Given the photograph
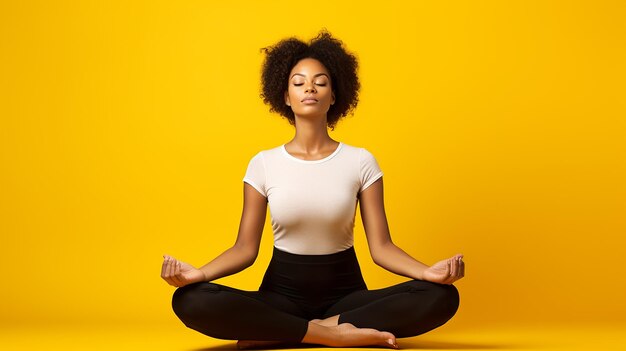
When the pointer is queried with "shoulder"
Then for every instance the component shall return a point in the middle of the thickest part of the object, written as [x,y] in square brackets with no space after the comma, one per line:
[362,153]
[353,149]
[264,153]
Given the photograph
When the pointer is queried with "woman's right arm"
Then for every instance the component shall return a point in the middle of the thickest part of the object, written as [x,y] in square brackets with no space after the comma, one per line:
[235,259]
[246,248]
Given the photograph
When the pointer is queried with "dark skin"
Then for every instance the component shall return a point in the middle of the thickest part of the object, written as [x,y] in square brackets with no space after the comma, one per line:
[310,79]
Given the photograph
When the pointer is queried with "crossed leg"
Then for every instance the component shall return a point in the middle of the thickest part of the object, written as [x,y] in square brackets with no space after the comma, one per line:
[406,309]
[227,313]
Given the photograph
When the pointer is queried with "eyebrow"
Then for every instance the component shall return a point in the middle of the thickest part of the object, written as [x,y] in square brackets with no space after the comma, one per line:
[319,74]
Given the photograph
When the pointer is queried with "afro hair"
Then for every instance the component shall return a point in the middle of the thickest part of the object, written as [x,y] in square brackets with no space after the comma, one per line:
[341,64]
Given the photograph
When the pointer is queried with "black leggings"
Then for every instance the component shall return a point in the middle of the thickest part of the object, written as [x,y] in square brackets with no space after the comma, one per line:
[299,288]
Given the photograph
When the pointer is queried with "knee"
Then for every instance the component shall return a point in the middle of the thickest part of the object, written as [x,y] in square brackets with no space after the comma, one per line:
[437,304]
[188,301]
[443,298]
[447,300]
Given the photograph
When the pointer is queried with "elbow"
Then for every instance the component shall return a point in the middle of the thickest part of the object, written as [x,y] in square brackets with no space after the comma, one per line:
[248,254]
[248,257]
[380,262]
[379,253]
[251,259]
[377,258]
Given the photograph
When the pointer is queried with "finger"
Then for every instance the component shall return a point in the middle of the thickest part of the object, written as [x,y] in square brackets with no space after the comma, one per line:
[168,270]
[449,275]
[183,279]
[171,267]
[177,275]
[462,268]
[163,266]
[446,279]
[454,269]
[459,274]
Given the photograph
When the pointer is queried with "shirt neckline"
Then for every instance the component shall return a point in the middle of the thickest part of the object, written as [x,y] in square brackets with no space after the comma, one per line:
[284,151]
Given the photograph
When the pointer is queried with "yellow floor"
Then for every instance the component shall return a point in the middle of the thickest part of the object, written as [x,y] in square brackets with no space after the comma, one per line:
[177,337]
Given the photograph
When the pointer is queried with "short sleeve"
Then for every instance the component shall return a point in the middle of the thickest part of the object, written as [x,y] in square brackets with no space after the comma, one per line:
[255,174]
[369,169]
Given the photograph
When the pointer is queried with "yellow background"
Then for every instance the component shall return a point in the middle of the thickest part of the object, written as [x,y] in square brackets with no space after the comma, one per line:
[126,129]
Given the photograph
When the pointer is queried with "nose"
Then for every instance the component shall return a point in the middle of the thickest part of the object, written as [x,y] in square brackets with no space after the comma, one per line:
[310,88]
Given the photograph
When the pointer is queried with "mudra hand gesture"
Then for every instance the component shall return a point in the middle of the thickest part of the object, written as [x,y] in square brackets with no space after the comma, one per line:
[446,271]
[179,273]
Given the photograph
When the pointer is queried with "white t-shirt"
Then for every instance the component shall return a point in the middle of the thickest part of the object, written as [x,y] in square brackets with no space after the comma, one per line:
[312,202]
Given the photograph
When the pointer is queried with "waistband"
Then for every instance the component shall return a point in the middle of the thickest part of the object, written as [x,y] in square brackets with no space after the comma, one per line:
[337,257]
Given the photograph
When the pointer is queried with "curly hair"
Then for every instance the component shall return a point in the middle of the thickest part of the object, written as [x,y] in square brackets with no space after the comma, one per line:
[341,64]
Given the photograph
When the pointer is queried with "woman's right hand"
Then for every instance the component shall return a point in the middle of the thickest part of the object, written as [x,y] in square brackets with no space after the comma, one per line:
[179,273]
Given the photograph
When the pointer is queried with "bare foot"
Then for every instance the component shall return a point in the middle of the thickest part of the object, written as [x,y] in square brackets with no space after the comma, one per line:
[323,332]
[328,322]
[347,335]
[353,336]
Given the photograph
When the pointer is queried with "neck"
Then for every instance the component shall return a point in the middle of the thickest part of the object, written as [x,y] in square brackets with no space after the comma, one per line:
[311,135]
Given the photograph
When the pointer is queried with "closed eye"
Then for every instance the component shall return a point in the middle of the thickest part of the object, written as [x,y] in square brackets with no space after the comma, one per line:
[322,85]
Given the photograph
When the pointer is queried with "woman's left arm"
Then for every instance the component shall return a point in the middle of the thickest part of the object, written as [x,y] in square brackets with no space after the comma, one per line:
[389,256]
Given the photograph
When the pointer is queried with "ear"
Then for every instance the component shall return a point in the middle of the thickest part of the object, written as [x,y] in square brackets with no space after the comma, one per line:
[287,101]
[333,98]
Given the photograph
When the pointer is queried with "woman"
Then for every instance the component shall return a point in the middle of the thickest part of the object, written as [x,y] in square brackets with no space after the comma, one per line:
[313,291]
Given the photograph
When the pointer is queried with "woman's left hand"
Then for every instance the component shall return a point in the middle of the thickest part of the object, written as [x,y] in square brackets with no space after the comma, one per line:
[446,271]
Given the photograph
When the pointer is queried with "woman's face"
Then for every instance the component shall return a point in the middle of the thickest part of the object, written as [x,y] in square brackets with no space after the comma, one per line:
[310,91]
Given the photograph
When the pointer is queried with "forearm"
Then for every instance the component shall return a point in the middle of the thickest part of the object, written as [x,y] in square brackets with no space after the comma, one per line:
[394,259]
[231,261]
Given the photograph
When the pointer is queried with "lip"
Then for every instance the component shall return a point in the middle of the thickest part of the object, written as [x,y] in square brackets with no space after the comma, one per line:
[309,99]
